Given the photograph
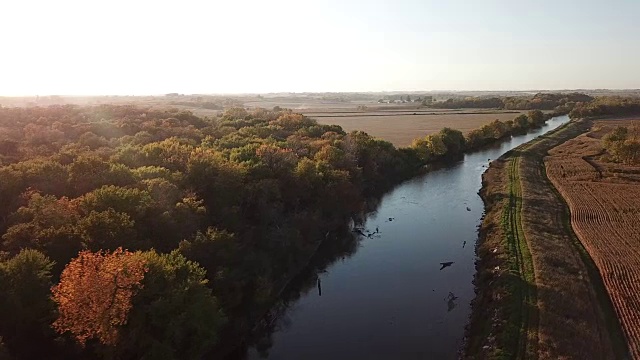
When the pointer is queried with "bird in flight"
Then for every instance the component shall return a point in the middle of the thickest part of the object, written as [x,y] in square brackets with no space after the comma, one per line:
[445,264]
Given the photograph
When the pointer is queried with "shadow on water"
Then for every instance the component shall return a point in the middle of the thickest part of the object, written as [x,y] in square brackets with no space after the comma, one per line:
[341,244]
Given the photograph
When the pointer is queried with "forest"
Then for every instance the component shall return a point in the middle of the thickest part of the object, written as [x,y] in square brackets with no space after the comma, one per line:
[136,233]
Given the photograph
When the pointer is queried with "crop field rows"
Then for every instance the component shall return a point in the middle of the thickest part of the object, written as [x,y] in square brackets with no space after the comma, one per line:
[605,215]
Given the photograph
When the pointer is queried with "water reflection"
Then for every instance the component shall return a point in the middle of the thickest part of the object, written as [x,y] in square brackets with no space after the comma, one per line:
[451,301]
[341,246]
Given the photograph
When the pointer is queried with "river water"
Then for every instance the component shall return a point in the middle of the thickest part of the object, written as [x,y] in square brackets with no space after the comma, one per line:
[389,299]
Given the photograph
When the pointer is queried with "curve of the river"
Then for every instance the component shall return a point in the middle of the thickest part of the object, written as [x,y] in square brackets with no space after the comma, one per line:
[390,299]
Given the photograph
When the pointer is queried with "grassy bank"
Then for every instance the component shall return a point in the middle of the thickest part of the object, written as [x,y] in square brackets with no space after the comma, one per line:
[521,333]
[537,294]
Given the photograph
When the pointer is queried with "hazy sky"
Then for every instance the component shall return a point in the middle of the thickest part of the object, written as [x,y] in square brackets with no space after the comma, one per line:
[154,47]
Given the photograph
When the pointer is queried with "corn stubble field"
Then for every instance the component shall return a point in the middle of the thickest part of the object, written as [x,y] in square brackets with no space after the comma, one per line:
[542,292]
[604,199]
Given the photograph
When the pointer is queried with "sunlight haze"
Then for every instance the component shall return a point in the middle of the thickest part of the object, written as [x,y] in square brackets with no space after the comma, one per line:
[155,47]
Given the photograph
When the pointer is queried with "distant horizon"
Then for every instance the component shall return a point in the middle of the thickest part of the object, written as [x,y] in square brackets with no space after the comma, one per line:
[327,92]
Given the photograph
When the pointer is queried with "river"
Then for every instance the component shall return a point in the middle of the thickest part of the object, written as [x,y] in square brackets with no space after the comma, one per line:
[390,299]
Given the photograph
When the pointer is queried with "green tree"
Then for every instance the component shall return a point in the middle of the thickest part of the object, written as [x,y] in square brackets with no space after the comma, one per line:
[475,139]
[107,230]
[174,315]
[47,224]
[131,201]
[536,118]
[88,172]
[520,123]
[453,140]
[26,309]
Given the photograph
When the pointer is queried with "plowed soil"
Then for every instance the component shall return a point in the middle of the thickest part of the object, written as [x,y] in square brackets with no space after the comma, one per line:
[539,295]
[604,199]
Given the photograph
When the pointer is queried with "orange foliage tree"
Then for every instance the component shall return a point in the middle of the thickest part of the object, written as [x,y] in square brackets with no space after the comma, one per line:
[95,294]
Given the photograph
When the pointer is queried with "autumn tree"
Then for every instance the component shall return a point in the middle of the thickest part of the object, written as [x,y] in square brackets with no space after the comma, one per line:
[436,145]
[622,145]
[422,149]
[94,296]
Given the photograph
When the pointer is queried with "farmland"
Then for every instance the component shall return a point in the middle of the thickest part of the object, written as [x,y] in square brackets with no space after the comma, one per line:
[400,129]
[540,286]
[399,124]
[604,199]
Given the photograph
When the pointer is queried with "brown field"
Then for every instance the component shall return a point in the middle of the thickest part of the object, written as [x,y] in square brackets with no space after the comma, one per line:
[604,199]
[561,315]
[402,129]
[530,265]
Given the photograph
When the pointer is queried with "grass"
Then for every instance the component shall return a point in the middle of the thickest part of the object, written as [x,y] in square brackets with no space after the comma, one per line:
[521,331]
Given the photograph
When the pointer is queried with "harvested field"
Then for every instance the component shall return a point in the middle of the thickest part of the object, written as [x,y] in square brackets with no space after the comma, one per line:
[604,199]
[402,129]
[542,290]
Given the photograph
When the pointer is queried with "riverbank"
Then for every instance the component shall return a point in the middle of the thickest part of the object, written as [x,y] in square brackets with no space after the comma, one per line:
[537,295]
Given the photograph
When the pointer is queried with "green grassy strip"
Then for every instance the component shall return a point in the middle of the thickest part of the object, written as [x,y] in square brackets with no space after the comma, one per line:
[526,264]
[522,334]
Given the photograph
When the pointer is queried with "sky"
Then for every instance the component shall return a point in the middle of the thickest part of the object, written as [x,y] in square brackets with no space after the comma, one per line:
[141,47]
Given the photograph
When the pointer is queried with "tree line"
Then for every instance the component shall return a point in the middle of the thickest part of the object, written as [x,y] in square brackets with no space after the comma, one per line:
[540,101]
[451,143]
[607,106]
